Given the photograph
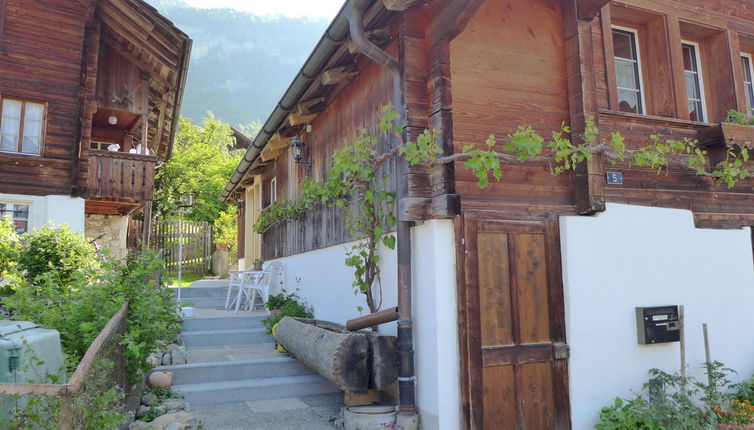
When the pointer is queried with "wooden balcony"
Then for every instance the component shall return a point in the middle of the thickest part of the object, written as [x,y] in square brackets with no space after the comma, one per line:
[120,176]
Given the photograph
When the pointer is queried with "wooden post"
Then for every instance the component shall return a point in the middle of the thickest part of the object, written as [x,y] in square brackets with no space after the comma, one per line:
[707,355]
[144,133]
[146,225]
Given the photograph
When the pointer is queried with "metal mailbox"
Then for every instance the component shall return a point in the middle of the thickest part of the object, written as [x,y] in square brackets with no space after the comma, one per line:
[659,324]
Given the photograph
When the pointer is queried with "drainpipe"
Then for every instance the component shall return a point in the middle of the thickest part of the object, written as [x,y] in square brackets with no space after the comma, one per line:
[405,346]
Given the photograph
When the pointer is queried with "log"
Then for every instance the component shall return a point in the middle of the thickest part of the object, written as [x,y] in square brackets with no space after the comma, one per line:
[338,74]
[341,358]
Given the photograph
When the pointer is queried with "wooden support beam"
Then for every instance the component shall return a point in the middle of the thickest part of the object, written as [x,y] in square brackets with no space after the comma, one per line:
[305,108]
[295,119]
[278,142]
[398,4]
[270,154]
[588,9]
[378,36]
[338,74]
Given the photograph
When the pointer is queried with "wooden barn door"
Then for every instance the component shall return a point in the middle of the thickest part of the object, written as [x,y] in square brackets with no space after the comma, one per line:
[516,357]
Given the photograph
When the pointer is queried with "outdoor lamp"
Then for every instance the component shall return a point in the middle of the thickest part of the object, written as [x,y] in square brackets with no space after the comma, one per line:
[298,151]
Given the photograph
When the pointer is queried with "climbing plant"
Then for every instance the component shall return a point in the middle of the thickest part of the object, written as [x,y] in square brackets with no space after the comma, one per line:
[355,181]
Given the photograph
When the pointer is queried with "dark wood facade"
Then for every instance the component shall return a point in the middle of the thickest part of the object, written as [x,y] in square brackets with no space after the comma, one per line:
[475,68]
[107,72]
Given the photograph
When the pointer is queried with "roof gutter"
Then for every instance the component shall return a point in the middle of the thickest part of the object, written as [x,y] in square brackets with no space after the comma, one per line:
[335,35]
[178,101]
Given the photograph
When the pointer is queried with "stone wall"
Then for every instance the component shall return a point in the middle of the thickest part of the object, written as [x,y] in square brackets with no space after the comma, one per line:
[115,230]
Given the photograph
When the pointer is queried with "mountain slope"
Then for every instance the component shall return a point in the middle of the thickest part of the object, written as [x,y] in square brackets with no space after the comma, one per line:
[241,64]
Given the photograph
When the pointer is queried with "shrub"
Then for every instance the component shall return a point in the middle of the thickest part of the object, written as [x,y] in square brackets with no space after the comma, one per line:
[286,305]
[56,249]
[9,246]
[81,309]
[226,228]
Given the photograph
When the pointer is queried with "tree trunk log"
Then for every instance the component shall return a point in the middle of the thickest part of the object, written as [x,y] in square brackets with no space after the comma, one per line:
[342,358]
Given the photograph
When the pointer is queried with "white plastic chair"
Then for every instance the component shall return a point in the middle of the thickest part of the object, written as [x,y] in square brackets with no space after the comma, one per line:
[236,279]
[258,283]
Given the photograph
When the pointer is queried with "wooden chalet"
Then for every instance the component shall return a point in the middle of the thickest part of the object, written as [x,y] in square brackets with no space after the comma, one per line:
[503,338]
[91,93]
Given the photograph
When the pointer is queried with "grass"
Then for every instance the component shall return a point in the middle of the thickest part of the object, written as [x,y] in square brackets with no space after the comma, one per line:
[186,279]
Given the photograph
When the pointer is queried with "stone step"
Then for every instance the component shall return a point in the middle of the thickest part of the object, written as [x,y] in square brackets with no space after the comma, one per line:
[225,337]
[235,370]
[192,292]
[210,393]
[223,323]
[204,302]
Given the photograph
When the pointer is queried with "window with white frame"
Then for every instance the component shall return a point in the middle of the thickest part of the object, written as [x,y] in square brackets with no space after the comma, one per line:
[21,126]
[628,70]
[692,71]
[18,213]
[273,190]
[746,61]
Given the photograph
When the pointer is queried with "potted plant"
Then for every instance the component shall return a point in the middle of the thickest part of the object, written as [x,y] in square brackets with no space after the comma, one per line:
[258,264]
[739,416]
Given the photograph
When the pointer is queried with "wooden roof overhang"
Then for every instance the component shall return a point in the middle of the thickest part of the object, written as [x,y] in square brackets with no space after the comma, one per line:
[138,32]
[325,74]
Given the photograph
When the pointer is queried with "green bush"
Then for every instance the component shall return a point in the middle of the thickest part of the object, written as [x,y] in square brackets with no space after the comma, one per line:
[81,309]
[670,402]
[58,250]
[9,246]
[286,305]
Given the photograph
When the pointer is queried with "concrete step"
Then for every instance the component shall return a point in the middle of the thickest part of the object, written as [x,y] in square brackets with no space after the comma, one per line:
[225,337]
[223,323]
[210,393]
[236,370]
[192,292]
[204,302]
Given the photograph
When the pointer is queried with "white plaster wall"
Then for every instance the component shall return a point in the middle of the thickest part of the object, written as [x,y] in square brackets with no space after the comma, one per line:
[115,230]
[436,325]
[44,209]
[633,256]
[325,282]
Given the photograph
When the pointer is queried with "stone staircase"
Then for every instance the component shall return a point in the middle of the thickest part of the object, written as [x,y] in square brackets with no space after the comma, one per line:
[231,359]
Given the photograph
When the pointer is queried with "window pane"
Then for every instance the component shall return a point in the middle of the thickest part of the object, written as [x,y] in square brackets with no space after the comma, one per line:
[34,111]
[31,145]
[32,128]
[625,72]
[628,101]
[11,109]
[10,125]
[688,58]
[623,45]
[8,142]
[692,82]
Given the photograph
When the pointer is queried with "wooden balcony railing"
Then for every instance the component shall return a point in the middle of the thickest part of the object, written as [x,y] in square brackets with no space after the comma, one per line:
[121,176]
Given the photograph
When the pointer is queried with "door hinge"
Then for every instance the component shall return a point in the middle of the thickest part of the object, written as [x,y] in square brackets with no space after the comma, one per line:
[561,351]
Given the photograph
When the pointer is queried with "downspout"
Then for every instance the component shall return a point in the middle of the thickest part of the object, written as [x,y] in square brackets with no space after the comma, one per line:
[405,346]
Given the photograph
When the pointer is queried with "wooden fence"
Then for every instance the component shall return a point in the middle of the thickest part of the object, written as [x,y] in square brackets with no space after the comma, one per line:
[103,364]
[197,245]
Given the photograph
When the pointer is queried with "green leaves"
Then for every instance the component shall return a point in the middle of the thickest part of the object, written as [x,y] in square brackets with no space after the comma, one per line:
[733,168]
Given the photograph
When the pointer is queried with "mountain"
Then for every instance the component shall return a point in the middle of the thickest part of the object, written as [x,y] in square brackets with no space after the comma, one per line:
[241,64]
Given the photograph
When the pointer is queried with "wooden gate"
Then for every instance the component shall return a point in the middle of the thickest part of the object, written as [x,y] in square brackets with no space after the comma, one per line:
[515,356]
[197,245]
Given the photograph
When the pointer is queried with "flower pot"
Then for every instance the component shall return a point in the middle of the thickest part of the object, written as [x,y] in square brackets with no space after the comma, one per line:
[222,245]
[368,417]
[736,426]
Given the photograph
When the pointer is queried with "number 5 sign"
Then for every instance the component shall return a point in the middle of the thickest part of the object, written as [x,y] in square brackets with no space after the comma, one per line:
[615,178]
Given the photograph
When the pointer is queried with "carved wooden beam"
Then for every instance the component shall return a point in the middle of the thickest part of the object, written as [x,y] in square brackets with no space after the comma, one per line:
[588,9]
[278,142]
[305,108]
[270,154]
[338,74]
[398,4]
[295,119]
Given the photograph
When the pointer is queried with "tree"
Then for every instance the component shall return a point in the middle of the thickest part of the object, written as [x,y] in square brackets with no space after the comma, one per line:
[202,162]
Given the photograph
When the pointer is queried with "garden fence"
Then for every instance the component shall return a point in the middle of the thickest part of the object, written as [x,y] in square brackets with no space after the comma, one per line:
[165,237]
[102,368]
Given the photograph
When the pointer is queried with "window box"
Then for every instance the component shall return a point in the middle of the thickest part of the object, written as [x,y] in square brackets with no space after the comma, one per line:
[727,134]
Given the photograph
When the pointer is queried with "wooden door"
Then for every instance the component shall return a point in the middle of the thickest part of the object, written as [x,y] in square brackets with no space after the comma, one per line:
[516,357]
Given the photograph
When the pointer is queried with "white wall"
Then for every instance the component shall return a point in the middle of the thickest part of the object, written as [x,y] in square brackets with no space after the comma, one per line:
[633,256]
[326,284]
[436,325]
[43,209]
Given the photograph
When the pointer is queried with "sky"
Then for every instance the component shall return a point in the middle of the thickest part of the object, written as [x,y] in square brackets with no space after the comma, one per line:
[289,8]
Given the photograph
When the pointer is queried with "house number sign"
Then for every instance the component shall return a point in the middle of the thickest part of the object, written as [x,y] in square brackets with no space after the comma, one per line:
[615,178]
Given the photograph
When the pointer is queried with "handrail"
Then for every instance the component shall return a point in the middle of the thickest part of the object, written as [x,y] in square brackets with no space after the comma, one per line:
[123,155]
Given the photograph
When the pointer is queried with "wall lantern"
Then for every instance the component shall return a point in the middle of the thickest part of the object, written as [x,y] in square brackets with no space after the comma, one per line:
[298,147]
[112,119]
